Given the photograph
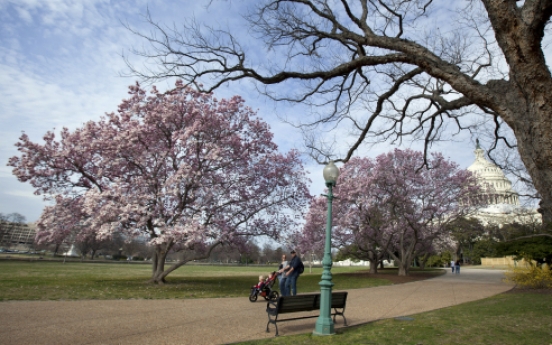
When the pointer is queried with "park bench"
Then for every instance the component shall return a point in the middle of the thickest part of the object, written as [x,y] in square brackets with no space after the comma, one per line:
[302,303]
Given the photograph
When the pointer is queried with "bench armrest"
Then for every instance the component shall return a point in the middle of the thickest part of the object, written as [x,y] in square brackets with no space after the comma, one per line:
[272,307]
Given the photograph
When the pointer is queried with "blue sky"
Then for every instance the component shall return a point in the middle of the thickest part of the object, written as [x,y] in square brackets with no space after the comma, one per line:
[60,63]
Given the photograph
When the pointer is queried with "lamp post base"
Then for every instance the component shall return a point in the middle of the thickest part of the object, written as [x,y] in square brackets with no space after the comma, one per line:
[324,327]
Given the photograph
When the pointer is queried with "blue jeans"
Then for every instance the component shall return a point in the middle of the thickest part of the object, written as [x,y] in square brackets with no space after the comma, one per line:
[291,284]
[282,285]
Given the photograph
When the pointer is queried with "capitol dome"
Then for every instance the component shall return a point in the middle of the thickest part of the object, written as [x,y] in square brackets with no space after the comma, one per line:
[489,175]
[503,202]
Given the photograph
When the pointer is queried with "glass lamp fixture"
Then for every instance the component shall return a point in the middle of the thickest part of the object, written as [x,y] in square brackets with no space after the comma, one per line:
[331,173]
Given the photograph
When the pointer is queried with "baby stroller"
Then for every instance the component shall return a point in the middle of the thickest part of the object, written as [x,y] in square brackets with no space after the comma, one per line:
[265,290]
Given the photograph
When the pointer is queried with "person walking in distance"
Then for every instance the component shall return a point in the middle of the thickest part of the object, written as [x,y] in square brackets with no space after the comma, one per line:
[457,266]
[452,264]
[295,269]
[282,276]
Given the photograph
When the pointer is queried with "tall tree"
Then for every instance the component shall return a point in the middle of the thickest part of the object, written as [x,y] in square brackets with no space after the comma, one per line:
[181,168]
[467,232]
[391,204]
[388,69]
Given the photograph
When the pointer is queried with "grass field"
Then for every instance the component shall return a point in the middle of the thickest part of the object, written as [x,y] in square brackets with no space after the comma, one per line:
[21,280]
[521,318]
[514,318]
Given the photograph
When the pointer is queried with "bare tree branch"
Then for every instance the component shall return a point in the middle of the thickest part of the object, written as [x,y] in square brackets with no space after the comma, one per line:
[386,69]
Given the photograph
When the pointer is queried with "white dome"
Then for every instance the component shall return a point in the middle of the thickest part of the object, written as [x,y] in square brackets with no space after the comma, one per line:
[488,174]
[503,202]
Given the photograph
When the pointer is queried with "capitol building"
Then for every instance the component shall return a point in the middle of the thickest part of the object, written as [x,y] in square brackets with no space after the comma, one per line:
[503,202]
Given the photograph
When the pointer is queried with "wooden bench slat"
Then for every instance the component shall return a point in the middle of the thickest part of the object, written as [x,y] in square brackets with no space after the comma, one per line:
[298,303]
[303,303]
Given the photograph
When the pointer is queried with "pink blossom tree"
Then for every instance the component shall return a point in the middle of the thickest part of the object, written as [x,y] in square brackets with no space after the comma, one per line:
[180,168]
[393,204]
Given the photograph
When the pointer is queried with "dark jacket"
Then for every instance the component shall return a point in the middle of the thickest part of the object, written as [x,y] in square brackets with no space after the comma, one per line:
[295,263]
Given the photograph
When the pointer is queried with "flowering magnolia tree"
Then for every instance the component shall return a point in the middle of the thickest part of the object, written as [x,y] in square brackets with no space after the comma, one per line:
[392,204]
[180,168]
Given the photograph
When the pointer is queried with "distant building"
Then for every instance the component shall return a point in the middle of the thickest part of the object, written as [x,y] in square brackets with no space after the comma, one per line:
[17,236]
[504,206]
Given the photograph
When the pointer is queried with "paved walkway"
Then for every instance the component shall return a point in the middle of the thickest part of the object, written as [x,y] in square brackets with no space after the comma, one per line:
[224,320]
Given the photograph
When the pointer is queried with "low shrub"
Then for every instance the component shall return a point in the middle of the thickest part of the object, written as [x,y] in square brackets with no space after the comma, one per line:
[118,257]
[531,276]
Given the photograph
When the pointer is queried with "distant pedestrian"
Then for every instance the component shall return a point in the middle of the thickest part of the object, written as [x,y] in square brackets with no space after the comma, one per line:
[282,276]
[452,264]
[457,266]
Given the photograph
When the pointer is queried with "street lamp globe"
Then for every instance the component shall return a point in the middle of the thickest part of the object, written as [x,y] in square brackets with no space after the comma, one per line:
[331,173]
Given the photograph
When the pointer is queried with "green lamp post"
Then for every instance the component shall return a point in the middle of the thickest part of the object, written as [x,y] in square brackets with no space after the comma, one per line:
[324,323]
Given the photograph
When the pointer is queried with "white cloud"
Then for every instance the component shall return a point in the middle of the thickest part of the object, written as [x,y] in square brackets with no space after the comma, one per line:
[25,15]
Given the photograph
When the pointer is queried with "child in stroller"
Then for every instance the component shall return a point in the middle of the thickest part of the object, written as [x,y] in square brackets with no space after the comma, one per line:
[264,288]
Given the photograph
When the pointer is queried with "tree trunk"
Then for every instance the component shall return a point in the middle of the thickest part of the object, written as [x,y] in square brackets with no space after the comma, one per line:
[403,258]
[535,148]
[158,265]
[373,266]
[423,260]
[532,126]
[525,98]
[373,259]
[403,261]
[422,264]
[159,273]
[403,268]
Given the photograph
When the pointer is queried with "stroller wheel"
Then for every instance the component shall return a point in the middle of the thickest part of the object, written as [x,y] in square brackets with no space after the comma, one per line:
[274,295]
[253,297]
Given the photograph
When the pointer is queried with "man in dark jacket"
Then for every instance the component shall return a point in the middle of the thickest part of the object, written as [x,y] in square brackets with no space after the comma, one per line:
[292,274]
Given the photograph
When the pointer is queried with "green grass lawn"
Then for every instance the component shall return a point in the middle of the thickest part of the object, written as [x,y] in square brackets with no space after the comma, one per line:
[507,319]
[21,280]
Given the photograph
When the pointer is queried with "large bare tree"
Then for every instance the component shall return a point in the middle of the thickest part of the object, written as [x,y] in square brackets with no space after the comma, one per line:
[390,69]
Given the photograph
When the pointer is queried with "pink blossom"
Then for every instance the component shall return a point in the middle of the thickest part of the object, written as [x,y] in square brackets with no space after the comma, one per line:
[393,206]
[179,168]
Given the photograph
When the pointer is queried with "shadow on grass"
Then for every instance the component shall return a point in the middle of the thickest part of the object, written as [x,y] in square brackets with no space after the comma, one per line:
[522,317]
